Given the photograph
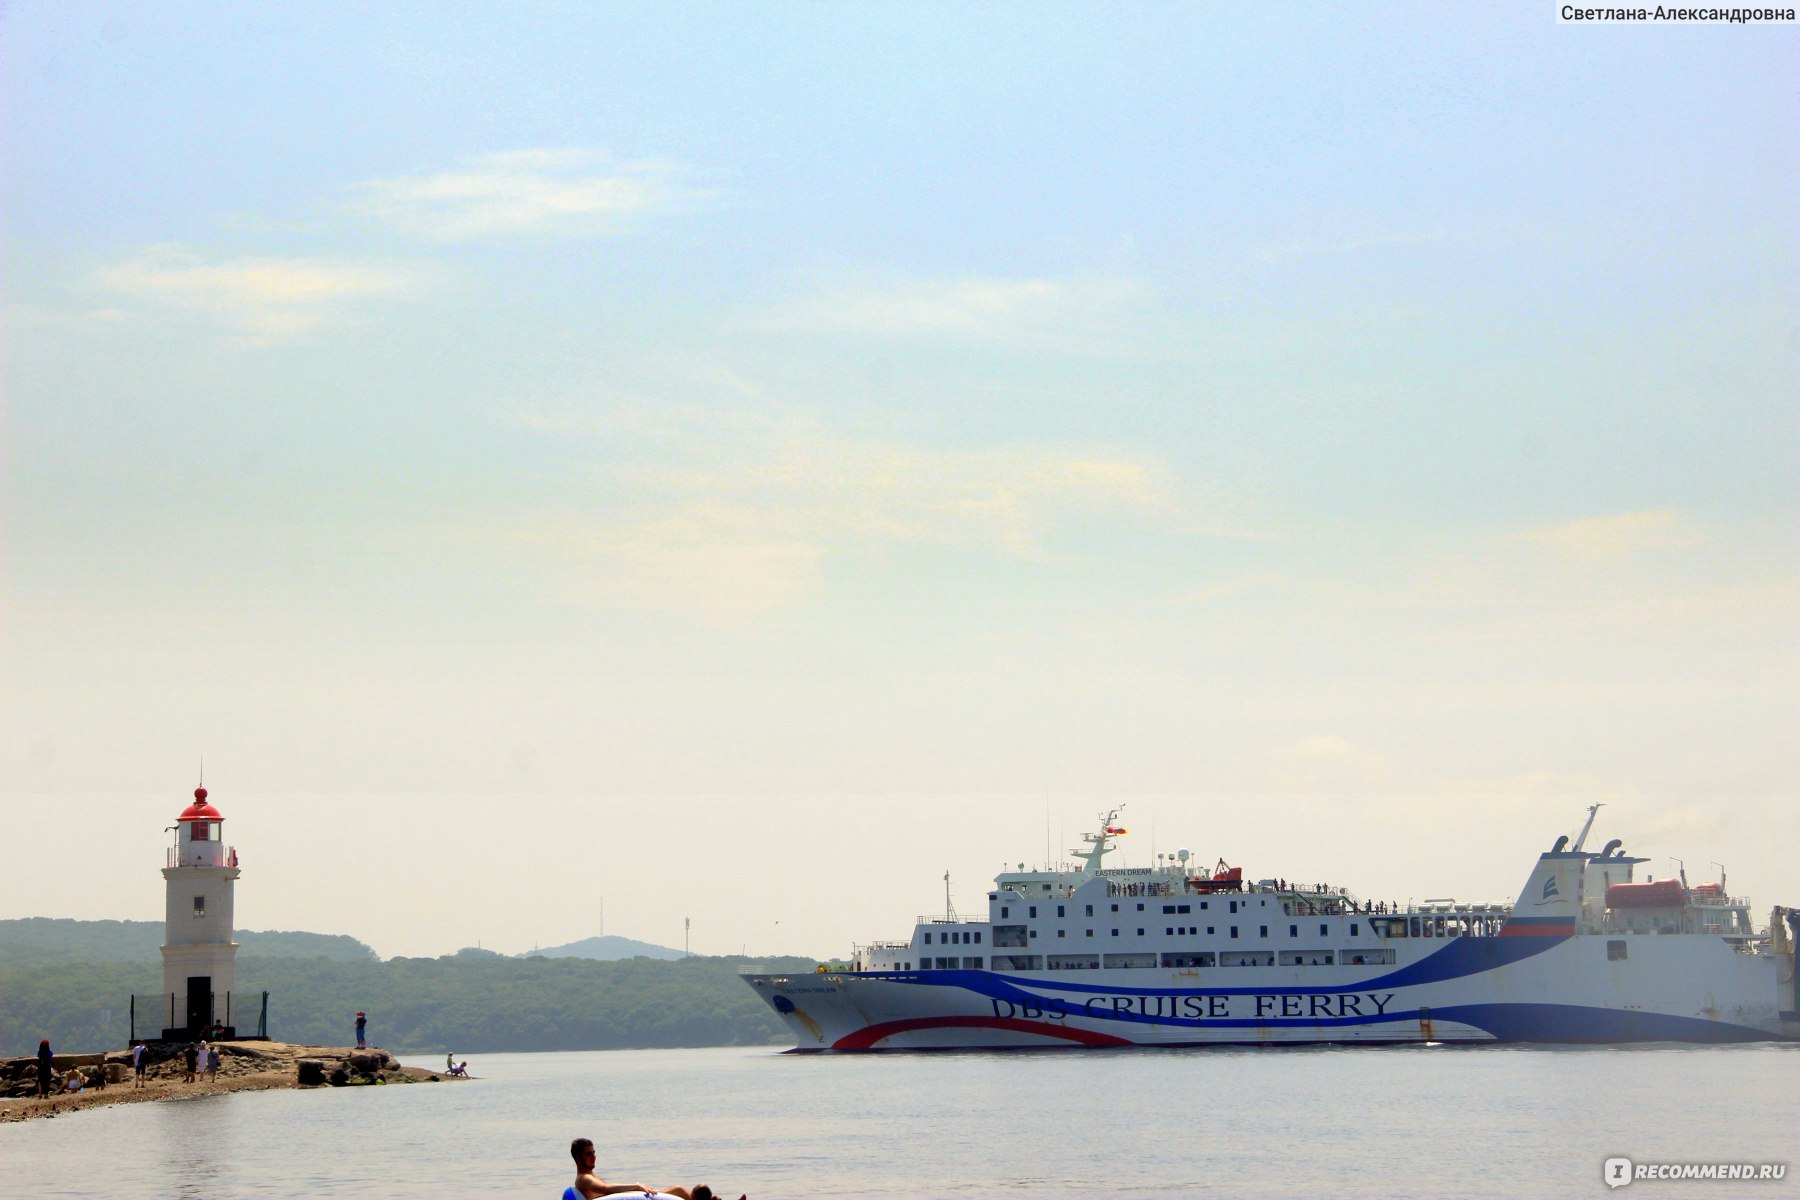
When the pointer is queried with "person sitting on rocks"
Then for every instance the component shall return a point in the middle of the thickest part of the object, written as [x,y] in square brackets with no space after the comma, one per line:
[460,1070]
[588,1184]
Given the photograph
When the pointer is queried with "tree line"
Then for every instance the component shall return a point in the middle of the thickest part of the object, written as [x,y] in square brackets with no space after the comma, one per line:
[470,1002]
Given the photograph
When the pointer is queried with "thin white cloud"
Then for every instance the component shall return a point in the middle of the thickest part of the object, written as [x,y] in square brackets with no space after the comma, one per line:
[1330,763]
[980,307]
[1600,539]
[749,519]
[267,298]
[545,192]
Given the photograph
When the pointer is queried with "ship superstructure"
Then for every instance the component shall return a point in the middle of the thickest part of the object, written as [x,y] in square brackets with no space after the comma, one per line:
[1172,954]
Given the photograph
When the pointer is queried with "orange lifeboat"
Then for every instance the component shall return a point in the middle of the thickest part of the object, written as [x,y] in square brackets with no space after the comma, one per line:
[1665,893]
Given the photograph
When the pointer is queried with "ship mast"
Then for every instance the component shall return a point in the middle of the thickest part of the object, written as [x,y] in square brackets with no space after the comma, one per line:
[1593,811]
[1099,844]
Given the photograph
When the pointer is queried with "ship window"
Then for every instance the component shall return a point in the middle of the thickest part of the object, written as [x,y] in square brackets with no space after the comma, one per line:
[1211,929]
[1293,931]
[1265,931]
[1169,932]
[1616,951]
[1203,905]
[1353,928]
[1034,933]
[1090,933]
[1140,933]
[978,937]
[1140,908]
[1168,908]
[1234,931]
[1032,911]
[1061,933]
[1234,906]
[928,939]
[1324,930]
[199,906]
[1059,910]
[1115,908]
[1004,912]
[1115,933]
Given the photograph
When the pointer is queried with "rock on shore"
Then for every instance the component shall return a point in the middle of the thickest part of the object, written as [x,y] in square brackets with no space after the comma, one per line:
[243,1067]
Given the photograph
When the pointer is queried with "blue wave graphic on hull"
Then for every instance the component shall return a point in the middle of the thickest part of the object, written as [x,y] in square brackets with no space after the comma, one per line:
[1457,960]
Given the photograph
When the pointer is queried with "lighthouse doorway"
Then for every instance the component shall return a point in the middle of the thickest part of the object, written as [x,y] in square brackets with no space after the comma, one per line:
[199,1004]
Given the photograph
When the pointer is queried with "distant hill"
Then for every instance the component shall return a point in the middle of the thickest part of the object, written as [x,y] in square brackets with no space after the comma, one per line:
[607,948]
[57,939]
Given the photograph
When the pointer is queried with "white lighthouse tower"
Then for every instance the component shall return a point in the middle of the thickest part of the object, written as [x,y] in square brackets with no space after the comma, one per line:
[199,957]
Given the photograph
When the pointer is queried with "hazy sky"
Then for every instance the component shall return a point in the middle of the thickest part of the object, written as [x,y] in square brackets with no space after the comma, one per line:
[745,460]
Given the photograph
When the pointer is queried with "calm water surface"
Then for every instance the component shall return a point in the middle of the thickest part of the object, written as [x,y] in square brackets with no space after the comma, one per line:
[1394,1121]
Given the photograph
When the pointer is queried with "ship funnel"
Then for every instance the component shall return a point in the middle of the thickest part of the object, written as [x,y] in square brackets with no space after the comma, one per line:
[1562,843]
[1552,897]
[1611,846]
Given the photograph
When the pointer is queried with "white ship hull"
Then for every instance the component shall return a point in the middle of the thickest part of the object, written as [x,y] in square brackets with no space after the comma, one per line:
[1085,957]
[1676,988]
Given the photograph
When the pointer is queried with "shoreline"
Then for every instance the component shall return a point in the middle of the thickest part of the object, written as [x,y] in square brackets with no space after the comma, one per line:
[245,1067]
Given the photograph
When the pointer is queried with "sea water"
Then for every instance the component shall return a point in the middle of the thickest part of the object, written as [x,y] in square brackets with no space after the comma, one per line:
[1318,1122]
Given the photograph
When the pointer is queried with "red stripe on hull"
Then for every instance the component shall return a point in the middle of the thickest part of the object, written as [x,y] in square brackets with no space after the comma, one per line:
[1537,931]
[864,1039]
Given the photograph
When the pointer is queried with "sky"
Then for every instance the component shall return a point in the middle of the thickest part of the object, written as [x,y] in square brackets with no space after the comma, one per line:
[737,463]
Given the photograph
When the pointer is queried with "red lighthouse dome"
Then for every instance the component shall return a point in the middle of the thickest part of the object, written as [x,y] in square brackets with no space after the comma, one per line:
[200,810]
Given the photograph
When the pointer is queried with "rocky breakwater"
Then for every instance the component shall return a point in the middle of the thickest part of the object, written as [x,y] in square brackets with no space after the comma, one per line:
[243,1066]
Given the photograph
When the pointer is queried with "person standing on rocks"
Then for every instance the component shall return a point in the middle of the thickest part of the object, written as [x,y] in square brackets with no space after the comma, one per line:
[191,1057]
[362,1029]
[137,1063]
[45,1058]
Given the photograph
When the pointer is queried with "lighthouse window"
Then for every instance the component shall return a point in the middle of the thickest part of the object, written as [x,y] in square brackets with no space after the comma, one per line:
[200,832]
[199,906]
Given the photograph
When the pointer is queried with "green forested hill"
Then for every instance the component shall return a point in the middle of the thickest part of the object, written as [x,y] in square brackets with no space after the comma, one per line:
[55,939]
[467,1003]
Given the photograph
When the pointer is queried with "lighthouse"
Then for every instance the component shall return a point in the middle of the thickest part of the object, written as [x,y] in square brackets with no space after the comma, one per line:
[199,957]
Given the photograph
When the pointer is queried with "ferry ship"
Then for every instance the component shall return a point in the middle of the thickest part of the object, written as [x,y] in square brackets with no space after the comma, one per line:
[1171,955]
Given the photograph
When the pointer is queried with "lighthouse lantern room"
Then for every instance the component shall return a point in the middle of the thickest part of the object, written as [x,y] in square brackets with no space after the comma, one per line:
[199,957]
